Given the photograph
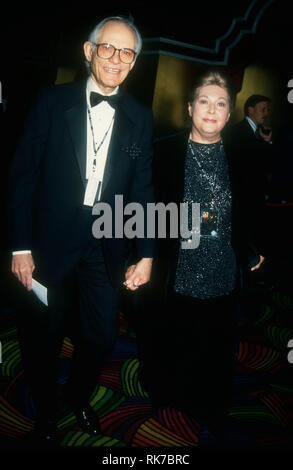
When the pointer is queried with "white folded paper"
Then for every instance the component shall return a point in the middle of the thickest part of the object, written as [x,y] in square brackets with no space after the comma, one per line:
[40,291]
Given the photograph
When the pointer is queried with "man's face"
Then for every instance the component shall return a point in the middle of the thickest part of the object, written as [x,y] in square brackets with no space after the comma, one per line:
[109,73]
[259,112]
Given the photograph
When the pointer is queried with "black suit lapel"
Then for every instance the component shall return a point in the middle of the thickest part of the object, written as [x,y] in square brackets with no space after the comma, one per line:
[250,131]
[122,129]
[76,119]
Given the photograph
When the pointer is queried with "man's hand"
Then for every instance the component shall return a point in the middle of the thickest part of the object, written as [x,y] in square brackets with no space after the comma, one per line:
[138,274]
[257,266]
[265,137]
[23,267]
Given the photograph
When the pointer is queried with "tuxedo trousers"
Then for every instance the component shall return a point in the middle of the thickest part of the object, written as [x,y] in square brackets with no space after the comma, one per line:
[84,307]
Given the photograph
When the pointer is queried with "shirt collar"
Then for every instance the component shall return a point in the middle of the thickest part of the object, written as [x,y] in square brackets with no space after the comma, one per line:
[252,124]
[92,86]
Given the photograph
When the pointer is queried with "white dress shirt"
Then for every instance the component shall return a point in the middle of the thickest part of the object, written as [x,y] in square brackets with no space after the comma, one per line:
[102,120]
[252,124]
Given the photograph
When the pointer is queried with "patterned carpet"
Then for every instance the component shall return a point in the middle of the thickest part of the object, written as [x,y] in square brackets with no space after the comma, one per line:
[261,415]
[262,411]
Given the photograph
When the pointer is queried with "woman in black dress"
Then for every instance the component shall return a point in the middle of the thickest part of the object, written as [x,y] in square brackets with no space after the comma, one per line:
[189,363]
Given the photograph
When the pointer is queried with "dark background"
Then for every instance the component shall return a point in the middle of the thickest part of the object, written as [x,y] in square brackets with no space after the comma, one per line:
[35,42]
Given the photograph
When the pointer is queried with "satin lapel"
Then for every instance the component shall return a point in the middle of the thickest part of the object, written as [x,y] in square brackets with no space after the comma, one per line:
[77,122]
[122,128]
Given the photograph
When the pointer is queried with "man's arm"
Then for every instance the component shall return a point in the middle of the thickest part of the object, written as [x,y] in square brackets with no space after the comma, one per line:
[266,137]
[143,193]
[24,174]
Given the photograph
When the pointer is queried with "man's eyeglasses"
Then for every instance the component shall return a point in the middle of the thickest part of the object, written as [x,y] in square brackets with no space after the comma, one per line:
[106,51]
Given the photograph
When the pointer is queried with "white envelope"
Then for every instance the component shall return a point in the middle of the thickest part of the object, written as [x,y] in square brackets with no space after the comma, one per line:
[40,291]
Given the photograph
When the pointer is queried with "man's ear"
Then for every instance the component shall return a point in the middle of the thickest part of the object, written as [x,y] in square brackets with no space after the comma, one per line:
[132,65]
[250,110]
[189,106]
[88,51]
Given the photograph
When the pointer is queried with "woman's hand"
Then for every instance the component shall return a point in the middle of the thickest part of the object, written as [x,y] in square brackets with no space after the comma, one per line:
[138,274]
[257,266]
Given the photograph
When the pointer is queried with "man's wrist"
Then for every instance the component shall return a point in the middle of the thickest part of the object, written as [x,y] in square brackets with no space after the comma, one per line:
[147,260]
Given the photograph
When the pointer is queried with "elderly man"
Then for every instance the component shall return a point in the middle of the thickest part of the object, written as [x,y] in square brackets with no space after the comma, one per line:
[83,143]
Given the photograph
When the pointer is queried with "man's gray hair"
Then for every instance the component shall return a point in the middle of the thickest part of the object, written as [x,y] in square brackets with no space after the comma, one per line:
[94,35]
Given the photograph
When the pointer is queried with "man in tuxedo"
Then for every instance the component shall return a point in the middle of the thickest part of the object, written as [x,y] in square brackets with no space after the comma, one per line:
[248,145]
[83,143]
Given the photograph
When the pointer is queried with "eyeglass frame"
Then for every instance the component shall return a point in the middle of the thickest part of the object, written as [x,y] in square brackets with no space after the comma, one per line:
[115,49]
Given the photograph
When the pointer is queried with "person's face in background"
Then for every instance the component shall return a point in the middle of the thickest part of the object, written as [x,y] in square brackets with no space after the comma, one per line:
[259,113]
[109,73]
[210,112]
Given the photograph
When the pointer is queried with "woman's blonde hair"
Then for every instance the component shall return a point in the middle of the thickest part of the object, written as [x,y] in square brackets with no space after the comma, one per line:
[213,77]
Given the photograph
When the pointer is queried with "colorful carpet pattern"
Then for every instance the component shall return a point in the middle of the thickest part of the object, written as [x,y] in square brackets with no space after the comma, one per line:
[261,415]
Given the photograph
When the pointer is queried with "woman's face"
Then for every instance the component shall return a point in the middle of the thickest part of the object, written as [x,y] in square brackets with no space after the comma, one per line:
[209,112]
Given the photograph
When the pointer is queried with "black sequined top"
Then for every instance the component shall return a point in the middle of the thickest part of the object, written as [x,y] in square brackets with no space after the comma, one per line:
[210,269]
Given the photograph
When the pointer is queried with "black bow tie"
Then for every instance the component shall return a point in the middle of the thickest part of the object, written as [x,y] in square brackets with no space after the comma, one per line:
[96,98]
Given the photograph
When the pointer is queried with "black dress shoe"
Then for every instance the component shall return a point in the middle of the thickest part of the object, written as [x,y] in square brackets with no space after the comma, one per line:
[88,420]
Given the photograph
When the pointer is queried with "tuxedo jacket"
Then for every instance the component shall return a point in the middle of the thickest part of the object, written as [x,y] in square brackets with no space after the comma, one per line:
[48,181]
[251,158]
[169,168]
